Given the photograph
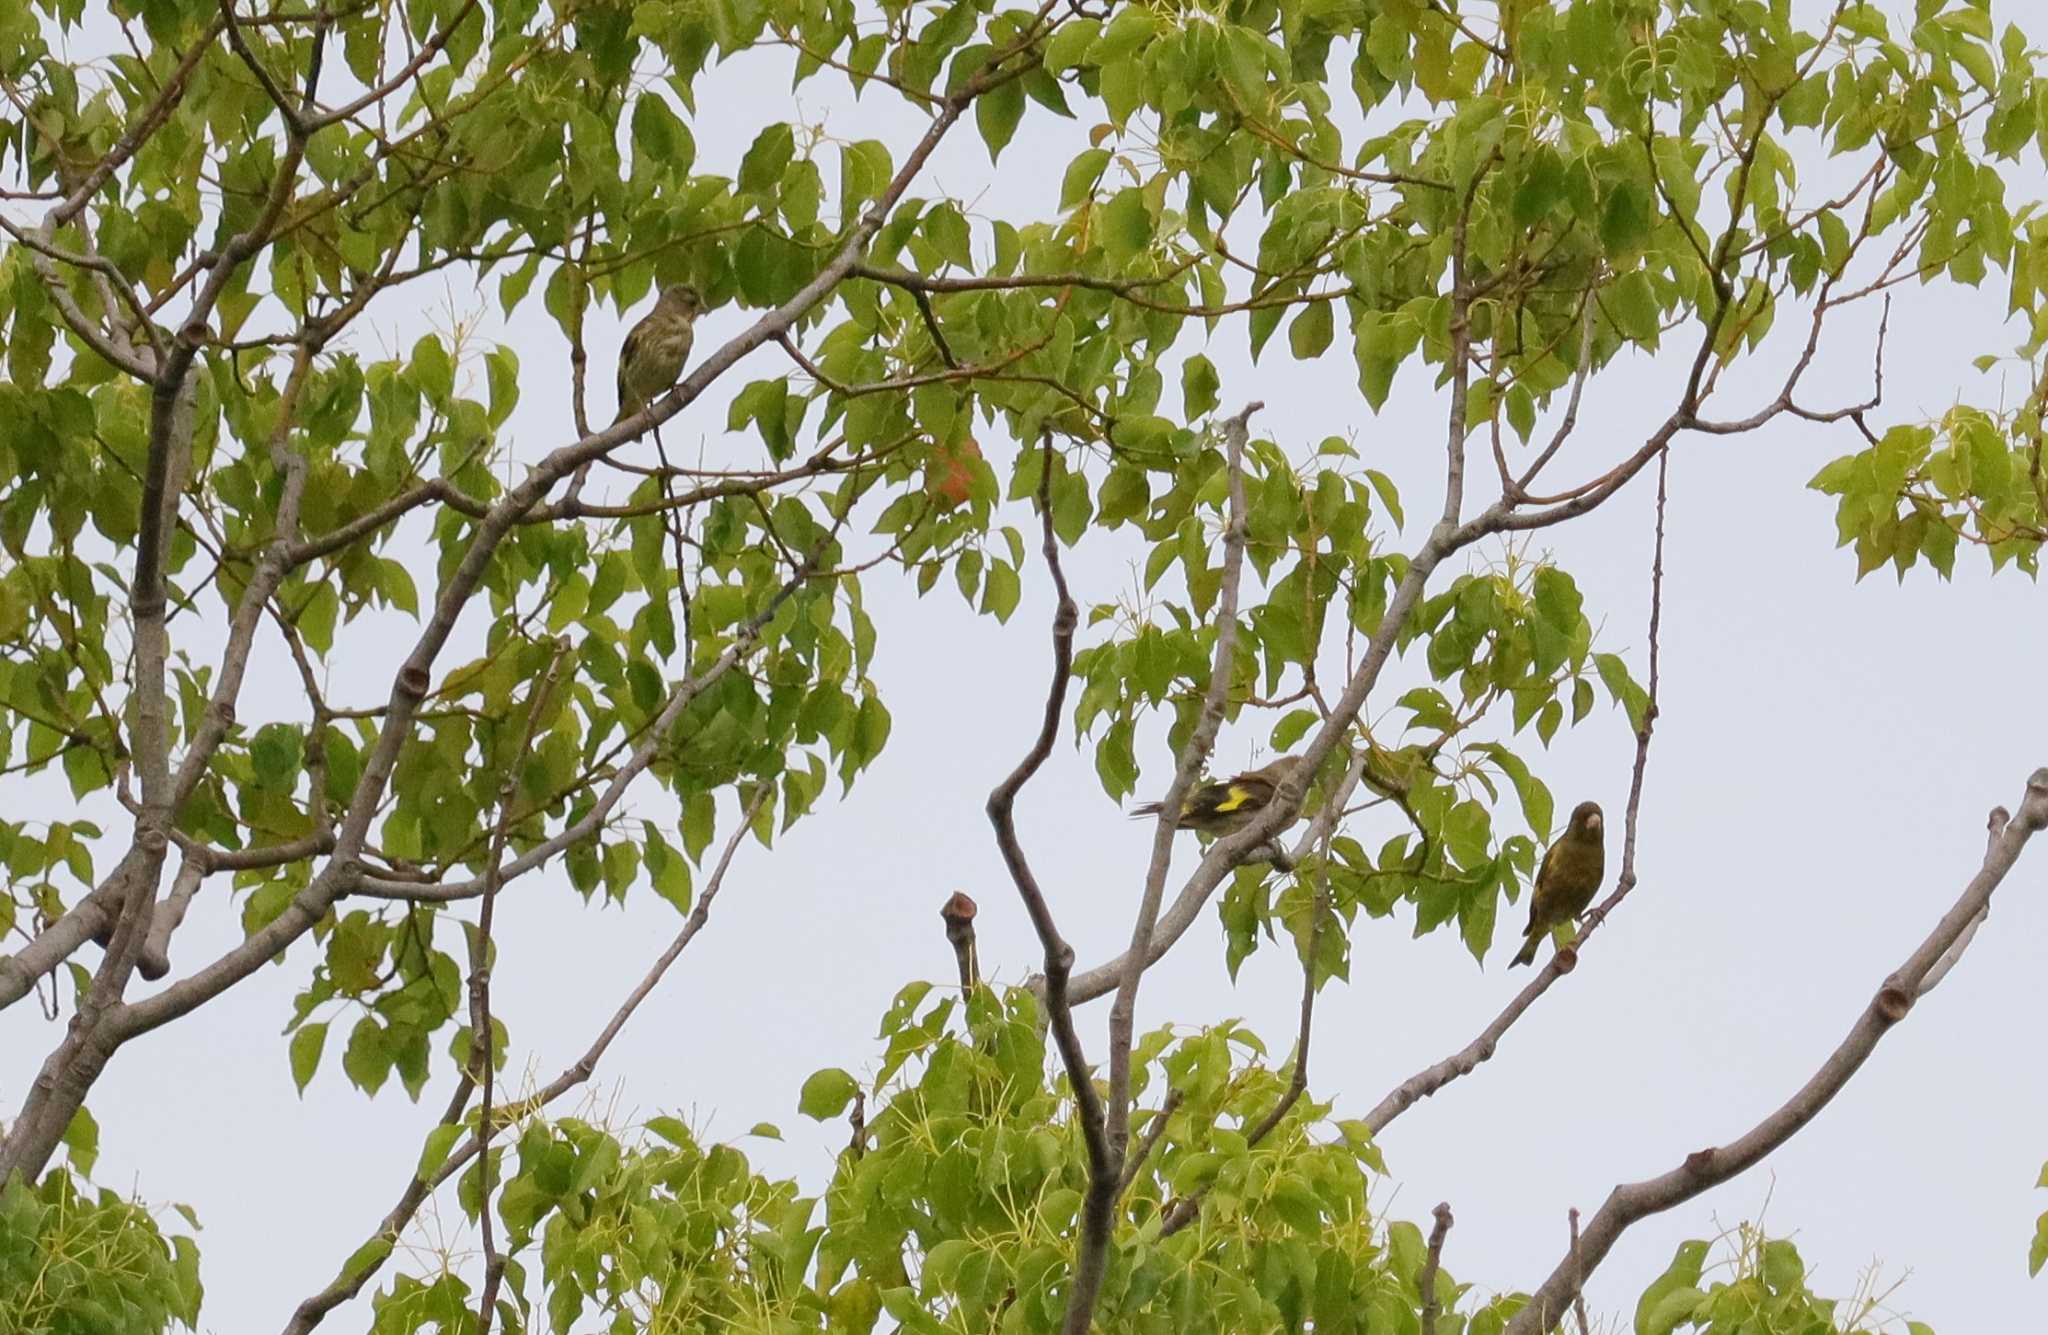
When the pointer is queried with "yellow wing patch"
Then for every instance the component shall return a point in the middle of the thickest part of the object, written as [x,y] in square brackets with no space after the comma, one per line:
[1234,799]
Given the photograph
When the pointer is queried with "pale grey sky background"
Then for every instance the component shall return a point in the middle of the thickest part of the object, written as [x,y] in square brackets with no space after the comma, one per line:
[1824,760]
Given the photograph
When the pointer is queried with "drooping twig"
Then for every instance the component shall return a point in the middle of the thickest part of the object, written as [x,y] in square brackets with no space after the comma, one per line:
[1468,1058]
[155,960]
[958,913]
[1710,1167]
[1059,956]
[1431,1264]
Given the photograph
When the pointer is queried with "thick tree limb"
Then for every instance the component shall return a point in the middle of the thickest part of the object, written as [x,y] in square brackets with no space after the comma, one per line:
[1710,1167]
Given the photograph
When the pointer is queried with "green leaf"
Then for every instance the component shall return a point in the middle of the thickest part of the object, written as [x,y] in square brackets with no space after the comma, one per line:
[1537,807]
[366,1258]
[308,1042]
[1126,225]
[1199,386]
[1309,335]
[82,1141]
[996,114]
[1674,1307]
[826,1094]
[440,1144]
[1082,174]
[1623,688]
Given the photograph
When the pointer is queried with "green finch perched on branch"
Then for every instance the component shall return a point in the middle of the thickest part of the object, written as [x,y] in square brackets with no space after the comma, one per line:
[1567,880]
[1226,806]
[655,350]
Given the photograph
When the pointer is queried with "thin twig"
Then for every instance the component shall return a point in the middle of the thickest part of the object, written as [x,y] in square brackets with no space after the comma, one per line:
[1135,1162]
[1994,827]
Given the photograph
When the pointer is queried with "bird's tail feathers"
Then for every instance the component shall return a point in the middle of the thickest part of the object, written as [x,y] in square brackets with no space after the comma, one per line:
[1144,809]
[1528,955]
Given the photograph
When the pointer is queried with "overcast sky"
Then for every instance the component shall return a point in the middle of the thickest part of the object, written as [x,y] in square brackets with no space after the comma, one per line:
[1825,756]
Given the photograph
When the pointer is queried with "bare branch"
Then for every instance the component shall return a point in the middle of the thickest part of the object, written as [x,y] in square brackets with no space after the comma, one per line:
[1710,1167]
[1578,1269]
[1103,1161]
[89,919]
[155,961]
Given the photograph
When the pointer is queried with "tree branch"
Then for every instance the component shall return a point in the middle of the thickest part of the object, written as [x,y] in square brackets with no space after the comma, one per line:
[1431,1265]
[1710,1167]
[958,913]
[1103,1161]
[1468,1058]
[1193,755]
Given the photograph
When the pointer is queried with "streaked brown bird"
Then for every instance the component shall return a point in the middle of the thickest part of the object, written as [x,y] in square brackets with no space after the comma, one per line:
[1224,806]
[656,349]
[1567,879]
